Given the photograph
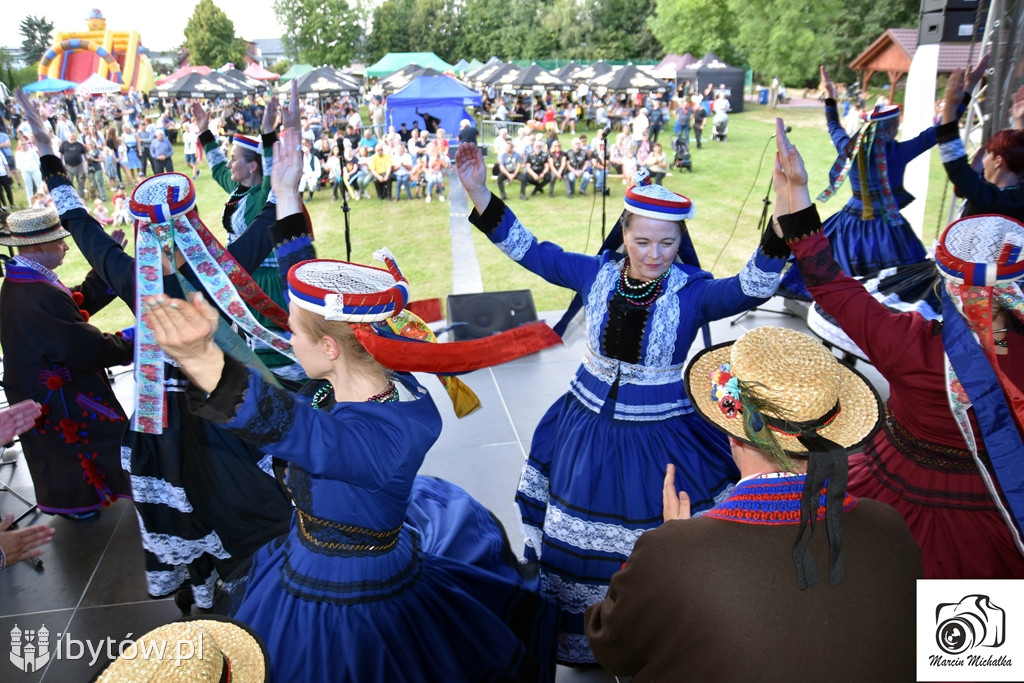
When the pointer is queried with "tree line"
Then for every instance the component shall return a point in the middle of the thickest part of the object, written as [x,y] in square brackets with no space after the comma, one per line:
[784,38]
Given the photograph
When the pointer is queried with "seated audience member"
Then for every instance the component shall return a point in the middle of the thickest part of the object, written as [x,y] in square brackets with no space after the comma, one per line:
[657,163]
[557,166]
[401,168]
[579,167]
[100,213]
[380,169]
[535,170]
[788,551]
[437,162]
[509,166]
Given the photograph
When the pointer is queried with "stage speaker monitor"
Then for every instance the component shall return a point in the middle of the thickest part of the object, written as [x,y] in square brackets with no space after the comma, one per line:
[475,316]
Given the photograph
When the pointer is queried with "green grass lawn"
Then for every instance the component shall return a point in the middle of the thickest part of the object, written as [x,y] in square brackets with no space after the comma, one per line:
[724,230]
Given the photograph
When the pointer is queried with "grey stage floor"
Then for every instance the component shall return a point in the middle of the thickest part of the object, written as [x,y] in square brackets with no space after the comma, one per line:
[92,585]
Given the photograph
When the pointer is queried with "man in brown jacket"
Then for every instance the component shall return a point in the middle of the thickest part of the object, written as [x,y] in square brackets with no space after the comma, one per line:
[735,595]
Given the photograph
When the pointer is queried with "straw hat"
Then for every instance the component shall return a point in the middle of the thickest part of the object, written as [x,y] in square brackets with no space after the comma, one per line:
[33,226]
[794,372]
[209,649]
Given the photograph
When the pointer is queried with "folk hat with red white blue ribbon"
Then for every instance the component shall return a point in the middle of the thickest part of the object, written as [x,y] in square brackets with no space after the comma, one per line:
[884,112]
[656,201]
[349,292]
[166,221]
[982,251]
[982,260]
[248,143]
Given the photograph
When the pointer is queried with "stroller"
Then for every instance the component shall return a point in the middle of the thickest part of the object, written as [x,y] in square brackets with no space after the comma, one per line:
[682,160]
[721,131]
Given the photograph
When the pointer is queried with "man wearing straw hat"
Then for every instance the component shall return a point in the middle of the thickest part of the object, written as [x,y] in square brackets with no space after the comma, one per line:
[720,597]
[52,355]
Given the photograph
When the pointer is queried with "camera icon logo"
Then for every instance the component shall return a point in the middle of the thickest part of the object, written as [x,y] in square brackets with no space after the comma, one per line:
[972,622]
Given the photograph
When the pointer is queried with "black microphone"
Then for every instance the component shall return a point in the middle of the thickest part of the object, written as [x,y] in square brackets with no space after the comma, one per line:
[789,129]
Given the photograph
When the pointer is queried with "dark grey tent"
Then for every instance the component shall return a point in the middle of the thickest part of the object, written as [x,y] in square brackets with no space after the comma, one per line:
[628,77]
[535,76]
[711,69]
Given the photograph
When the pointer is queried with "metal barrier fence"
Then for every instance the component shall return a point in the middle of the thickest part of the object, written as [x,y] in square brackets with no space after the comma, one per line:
[489,130]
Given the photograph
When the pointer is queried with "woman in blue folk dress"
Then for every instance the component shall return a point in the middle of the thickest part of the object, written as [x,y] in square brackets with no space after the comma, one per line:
[383,576]
[869,233]
[603,447]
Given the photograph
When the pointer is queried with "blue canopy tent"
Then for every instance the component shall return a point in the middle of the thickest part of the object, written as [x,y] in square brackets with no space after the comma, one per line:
[50,84]
[437,97]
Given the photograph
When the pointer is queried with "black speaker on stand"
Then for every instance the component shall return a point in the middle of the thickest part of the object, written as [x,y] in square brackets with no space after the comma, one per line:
[950,21]
[476,316]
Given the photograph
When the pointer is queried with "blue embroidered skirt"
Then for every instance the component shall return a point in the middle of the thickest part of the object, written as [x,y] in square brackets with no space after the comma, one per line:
[861,247]
[447,603]
[592,485]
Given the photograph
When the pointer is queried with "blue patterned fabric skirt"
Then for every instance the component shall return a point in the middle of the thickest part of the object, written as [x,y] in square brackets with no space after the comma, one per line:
[861,247]
[592,485]
[206,502]
[448,603]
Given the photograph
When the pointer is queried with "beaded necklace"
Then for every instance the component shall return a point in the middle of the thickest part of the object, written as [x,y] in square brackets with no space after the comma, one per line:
[389,395]
[638,292]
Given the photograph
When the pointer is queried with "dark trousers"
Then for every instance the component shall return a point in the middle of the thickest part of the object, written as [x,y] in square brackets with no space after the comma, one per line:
[538,185]
[383,188]
[502,181]
[165,166]
[5,189]
[146,159]
[697,132]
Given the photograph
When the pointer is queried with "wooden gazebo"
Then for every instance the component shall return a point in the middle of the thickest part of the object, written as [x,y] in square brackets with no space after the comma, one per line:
[893,51]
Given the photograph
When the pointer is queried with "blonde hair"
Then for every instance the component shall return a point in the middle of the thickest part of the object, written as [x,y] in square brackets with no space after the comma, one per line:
[356,356]
[627,220]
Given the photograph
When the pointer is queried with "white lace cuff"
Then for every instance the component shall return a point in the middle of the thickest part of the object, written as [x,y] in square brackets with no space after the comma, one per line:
[216,156]
[954,149]
[757,283]
[65,198]
[518,242]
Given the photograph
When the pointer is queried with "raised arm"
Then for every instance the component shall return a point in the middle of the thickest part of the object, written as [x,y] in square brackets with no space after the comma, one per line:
[839,136]
[101,250]
[494,219]
[884,336]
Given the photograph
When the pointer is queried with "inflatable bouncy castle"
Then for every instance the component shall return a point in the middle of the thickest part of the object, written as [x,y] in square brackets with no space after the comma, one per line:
[115,55]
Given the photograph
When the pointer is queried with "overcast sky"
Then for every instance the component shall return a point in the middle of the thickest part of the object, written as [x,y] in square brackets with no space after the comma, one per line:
[160,27]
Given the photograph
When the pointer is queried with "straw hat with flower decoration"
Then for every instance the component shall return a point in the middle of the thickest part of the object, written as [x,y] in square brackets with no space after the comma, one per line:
[33,226]
[786,394]
[215,649]
[792,372]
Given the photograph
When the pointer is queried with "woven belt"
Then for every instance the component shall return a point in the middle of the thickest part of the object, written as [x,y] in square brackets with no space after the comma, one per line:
[314,530]
[925,453]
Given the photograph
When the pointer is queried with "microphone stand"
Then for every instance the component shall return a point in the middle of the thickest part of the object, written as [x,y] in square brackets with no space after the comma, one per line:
[762,225]
[345,210]
[604,188]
